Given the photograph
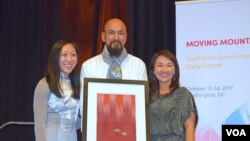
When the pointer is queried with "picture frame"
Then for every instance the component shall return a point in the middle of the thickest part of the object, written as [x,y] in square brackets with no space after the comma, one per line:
[115,110]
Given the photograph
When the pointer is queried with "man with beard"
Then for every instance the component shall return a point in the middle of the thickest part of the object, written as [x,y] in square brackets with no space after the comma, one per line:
[114,62]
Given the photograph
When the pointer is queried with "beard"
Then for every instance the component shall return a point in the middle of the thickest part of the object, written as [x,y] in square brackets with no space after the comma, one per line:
[115,48]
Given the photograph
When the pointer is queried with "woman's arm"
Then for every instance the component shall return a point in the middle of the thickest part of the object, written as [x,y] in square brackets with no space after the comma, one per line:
[40,106]
[190,127]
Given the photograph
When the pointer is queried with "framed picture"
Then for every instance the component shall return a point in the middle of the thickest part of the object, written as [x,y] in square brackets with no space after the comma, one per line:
[115,110]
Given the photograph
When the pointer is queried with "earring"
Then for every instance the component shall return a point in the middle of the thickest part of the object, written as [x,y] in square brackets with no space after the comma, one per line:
[154,78]
[174,77]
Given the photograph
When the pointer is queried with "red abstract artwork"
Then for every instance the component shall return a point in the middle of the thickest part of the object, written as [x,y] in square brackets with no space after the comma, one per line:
[116,117]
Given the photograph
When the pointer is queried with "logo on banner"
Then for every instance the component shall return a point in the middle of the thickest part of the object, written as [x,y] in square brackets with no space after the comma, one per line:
[240,132]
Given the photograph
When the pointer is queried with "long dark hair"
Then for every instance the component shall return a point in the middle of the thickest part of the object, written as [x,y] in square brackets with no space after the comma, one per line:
[53,70]
[154,83]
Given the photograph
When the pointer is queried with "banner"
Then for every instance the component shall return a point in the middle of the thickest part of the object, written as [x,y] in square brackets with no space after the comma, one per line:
[213,50]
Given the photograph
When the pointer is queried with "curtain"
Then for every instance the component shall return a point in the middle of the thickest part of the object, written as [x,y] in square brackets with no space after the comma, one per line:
[27,30]
[151,27]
